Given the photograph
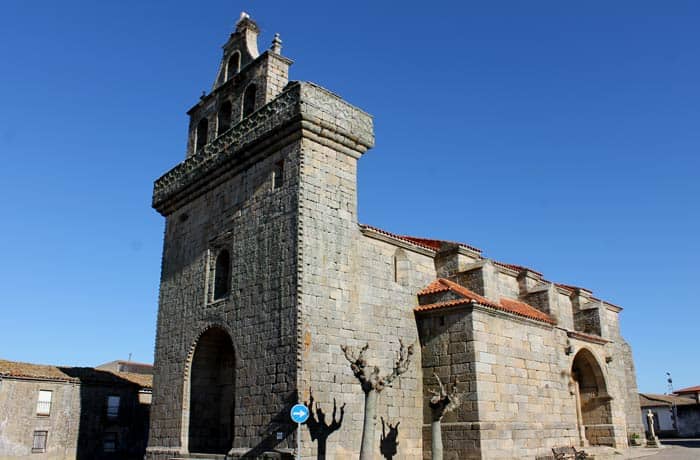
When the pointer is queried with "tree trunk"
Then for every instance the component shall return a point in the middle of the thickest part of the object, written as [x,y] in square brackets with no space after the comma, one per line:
[368,429]
[436,442]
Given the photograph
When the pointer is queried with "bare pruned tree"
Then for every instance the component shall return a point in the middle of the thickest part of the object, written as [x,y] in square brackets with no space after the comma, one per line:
[441,403]
[372,383]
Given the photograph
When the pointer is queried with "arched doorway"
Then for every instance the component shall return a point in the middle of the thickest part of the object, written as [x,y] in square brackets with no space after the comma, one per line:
[212,380]
[592,400]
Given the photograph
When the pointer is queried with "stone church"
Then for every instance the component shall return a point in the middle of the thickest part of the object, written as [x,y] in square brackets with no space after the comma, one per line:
[266,273]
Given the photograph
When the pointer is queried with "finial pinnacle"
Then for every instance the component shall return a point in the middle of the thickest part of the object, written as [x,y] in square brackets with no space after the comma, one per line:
[276,44]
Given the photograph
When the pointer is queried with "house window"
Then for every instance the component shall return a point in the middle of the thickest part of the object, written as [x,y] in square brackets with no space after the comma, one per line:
[43,404]
[222,275]
[39,441]
[109,442]
[112,407]
[249,100]
[223,119]
[202,132]
[278,175]
[233,65]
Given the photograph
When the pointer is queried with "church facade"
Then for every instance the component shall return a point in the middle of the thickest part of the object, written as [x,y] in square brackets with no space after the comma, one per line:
[266,273]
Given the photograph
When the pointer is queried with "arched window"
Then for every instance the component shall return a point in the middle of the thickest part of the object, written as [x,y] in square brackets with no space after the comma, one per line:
[222,275]
[249,100]
[233,65]
[202,132]
[223,119]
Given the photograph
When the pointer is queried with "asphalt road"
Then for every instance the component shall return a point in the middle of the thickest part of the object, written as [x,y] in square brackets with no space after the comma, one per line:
[678,449]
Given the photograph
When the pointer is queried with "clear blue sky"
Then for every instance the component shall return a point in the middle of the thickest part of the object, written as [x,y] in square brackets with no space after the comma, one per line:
[558,135]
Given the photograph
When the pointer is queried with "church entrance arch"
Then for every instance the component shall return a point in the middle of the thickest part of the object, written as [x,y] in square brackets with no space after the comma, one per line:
[592,400]
[211,394]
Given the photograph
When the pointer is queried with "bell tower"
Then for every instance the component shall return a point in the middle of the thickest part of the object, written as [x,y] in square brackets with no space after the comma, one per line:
[245,81]
[269,169]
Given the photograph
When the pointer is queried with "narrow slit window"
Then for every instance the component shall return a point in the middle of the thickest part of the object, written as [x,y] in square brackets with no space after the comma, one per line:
[249,100]
[278,175]
[223,119]
[233,65]
[222,275]
[202,133]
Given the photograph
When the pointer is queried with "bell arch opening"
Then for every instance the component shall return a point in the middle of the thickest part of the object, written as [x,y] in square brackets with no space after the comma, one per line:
[212,394]
[592,400]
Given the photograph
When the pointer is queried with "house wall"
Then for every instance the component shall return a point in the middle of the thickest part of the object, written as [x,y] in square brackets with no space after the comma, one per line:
[689,420]
[77,422]
[663,416]
[19,419]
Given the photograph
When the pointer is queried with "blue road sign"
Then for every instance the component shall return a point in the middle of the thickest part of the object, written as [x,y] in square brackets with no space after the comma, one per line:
[299,413]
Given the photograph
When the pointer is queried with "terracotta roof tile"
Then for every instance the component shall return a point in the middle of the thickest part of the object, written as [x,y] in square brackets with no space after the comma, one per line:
[517,268]
[428,243]
[523,309]
[439,305]
[432,288]
[468,296]
[434,245]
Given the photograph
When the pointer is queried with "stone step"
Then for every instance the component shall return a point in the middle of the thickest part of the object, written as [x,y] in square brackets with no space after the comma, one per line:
[200,457]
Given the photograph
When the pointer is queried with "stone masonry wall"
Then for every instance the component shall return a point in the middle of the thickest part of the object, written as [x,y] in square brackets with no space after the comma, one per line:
[523,398]
[348,292]
[350,298]
[258,226]
[448,350]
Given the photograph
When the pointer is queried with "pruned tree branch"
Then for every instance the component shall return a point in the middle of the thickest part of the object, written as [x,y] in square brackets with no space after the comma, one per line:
[368,376]
[443,401]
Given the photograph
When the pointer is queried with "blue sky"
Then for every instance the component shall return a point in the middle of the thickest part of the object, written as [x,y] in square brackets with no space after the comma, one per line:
[558,135]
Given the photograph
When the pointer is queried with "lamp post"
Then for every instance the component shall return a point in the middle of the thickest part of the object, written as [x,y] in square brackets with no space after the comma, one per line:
[669,380]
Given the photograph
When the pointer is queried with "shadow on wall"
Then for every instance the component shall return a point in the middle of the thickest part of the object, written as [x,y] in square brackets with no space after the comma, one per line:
[280,423]
[113,421]
[319,429]
[389,442]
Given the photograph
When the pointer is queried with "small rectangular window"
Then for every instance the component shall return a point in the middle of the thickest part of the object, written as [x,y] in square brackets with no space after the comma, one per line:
[39,441]
[112,407]
[277,175]
[43,404]
[109,442]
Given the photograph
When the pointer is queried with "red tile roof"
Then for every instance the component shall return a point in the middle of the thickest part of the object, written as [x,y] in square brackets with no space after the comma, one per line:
[423,242]
[71,374]
[695,389]
[509,305]
[517,268]
[523,309]
[434,245]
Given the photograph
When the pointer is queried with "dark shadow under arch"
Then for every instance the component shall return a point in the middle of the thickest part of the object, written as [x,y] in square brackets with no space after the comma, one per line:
[212,394]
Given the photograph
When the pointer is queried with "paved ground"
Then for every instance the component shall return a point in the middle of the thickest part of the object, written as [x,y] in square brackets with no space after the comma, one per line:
[678,449]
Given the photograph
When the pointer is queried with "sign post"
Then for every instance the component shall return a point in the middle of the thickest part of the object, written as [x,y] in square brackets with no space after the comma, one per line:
[299,414]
